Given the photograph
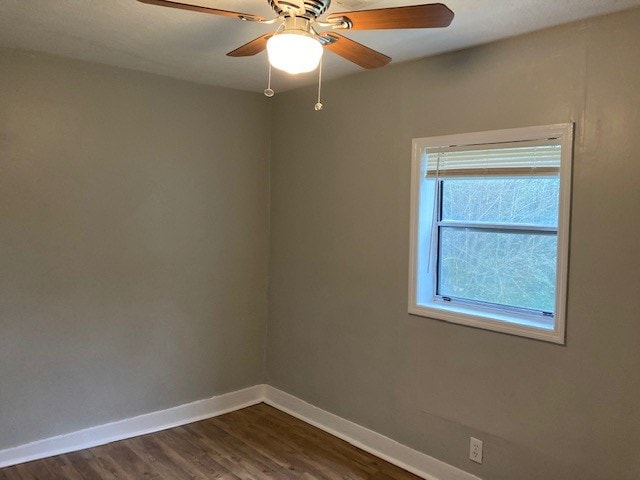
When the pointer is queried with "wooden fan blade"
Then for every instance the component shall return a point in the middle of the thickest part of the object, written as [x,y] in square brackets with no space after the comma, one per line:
[197,8]
[355,52]
[417,16]
[251,48]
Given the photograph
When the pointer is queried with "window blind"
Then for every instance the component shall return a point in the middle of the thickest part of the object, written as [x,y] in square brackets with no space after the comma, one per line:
[541,157]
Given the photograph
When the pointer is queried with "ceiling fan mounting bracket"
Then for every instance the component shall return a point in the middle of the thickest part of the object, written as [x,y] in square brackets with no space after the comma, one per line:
[251,18]
[325,39]
[336,23]
[271,21]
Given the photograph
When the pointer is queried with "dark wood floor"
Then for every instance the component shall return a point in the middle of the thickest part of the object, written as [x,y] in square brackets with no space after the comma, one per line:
[253,443]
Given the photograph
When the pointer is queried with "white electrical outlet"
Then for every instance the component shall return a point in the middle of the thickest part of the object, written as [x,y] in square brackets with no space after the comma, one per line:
[475,450]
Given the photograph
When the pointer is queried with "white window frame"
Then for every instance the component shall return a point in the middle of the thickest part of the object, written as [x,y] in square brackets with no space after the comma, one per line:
[476,316]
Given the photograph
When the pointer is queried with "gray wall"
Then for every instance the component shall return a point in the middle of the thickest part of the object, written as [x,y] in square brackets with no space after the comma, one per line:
[133,243]
[134,220]
[339,334]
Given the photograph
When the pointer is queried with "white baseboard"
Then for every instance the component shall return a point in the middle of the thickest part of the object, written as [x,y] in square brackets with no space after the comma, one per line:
[132,427]
[383,447]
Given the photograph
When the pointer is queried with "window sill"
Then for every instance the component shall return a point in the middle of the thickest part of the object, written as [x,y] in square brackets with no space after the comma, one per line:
[520,326]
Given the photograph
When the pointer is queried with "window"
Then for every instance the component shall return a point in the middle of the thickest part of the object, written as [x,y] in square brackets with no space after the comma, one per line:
[489,229]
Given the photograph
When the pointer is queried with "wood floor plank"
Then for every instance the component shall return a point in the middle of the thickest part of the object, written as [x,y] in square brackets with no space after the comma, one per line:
[131,463]
[270,447]
[61,466]
[208,461]
[10,473]
[304,432]
[339,452]
[255,443]
[103,465]
[250,463]
[85,465]
[153,455]
[28,472]
[167,462]
[271,443]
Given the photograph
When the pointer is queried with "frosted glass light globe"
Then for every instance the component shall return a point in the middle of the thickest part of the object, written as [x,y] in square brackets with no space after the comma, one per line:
[294,52]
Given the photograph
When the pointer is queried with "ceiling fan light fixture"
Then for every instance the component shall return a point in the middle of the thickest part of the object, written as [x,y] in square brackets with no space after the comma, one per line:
[294,52]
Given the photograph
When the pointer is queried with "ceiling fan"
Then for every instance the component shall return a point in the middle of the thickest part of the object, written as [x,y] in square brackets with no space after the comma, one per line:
[297,44]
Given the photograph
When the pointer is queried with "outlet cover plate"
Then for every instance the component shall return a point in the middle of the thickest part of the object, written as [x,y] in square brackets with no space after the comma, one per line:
[475,450]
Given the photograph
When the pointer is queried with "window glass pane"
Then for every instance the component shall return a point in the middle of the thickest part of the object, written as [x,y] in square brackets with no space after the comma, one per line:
[514,269]
[528,200]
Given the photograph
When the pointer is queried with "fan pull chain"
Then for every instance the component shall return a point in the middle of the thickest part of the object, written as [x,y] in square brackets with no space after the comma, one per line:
[267,91]
[319,104]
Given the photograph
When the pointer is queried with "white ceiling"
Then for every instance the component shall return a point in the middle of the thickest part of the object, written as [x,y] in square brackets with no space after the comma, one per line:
[192,46]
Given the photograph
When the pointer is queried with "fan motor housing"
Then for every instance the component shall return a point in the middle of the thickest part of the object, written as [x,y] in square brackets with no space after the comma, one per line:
[312,8]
